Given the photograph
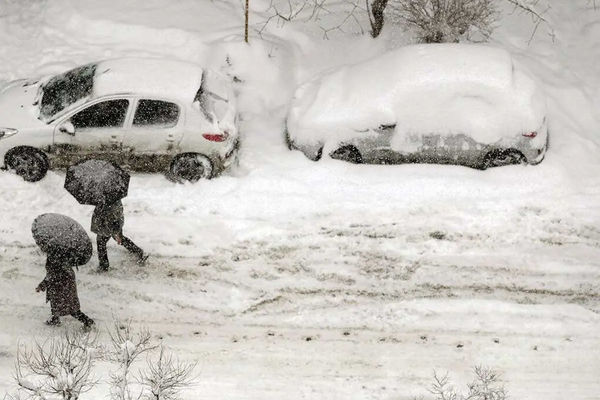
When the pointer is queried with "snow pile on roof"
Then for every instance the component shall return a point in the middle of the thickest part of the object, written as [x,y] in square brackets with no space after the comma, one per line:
[149,76]
[445,89]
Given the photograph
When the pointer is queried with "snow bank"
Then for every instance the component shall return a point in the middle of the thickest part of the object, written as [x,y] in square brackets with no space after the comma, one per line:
[445,89]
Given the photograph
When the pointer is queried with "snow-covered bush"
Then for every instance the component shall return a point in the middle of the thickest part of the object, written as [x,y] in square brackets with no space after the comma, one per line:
[126,346]
[165,376]
[485,386]
[440,21]
[58,368]
[61,367]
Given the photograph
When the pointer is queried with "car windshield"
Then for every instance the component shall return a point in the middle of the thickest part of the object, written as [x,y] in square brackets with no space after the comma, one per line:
[66,89]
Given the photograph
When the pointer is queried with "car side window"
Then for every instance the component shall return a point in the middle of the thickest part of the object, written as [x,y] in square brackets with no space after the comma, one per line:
[106,114]
[156,113]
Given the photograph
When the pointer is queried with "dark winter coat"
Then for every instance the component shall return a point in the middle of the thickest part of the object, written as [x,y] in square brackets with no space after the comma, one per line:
[108,220]
[60,287]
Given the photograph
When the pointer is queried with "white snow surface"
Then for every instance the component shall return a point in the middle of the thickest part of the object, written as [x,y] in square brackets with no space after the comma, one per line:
[161,78]
[422,89]
[390,271]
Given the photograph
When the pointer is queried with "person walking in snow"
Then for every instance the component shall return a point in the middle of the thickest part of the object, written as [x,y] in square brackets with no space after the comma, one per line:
[107,222]
[61,291]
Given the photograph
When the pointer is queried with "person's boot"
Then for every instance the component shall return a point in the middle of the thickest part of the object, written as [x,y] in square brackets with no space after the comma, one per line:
[88,324]
[85,320]
[142,258]
[103,267]
[134,249]
[53,321]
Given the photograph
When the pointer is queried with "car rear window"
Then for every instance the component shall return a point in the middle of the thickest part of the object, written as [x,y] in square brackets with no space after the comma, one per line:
[213,96]
[156,113]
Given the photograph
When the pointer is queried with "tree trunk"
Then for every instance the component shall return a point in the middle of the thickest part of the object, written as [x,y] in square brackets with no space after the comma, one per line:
[376,16]
[246,23]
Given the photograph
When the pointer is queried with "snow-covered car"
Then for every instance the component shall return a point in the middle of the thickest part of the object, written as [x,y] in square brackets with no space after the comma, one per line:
[460,104]
[146,114]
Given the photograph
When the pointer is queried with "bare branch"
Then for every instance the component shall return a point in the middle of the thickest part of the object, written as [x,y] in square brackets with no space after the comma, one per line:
[340,14]
[484,387]
[127,346]
[165,377]
[59,367]
[445,20]
[530,7]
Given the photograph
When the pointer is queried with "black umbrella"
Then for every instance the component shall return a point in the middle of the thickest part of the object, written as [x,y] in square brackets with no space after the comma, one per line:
[97,182]
[62,237]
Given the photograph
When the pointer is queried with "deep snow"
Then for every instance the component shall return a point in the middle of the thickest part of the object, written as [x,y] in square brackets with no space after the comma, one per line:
[386,268]
[433,89]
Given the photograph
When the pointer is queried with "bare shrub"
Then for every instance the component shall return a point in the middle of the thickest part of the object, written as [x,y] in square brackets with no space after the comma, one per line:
[166,376]
[126,346]
[485,386]
[438,21]
[58,368]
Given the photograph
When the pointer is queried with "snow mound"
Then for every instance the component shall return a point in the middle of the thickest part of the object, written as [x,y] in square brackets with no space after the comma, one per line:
[444,89]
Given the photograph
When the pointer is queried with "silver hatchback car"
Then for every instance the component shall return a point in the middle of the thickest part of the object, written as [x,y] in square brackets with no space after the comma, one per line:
[150,115]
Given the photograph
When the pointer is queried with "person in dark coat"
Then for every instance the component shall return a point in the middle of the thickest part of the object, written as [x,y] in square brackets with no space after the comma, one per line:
[107,222]
[61,291]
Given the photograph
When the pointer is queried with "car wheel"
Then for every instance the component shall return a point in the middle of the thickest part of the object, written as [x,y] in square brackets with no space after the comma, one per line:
[347,153]
[29,164]
[191,168]
[499,158]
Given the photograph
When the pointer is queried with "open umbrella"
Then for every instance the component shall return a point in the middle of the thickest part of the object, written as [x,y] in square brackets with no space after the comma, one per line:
[97,182]
[63,237]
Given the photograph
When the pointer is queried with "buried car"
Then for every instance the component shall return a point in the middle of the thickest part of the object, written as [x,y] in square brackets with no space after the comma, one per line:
[146,114]
[470,105]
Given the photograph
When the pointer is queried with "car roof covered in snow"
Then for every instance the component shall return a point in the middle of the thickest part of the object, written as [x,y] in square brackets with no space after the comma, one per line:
[433,88]
[149,76]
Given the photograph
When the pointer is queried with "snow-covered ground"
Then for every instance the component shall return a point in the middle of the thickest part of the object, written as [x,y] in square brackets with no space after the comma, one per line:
[387,269]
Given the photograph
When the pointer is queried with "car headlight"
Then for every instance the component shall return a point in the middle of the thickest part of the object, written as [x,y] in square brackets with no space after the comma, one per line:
[7,132]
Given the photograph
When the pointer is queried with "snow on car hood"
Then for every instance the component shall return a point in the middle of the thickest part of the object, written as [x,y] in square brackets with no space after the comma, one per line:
[16,105]
[444,89]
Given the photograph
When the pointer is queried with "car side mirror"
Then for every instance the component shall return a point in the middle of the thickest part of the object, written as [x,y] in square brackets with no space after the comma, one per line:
[67,127]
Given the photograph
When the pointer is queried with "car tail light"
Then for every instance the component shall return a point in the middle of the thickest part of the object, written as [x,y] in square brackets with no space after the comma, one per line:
[530,135]
[216,137]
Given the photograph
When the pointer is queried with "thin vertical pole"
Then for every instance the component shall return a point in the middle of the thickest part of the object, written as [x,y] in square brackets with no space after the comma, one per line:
[246,25]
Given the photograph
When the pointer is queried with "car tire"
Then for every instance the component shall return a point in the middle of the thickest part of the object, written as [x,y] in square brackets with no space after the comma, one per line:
[191,167]
[29,163]
[502,157]
[347,153]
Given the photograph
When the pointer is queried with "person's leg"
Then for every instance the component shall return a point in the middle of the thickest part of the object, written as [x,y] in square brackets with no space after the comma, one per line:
[53,321]
[84,319]
[101,242]
[131,247]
